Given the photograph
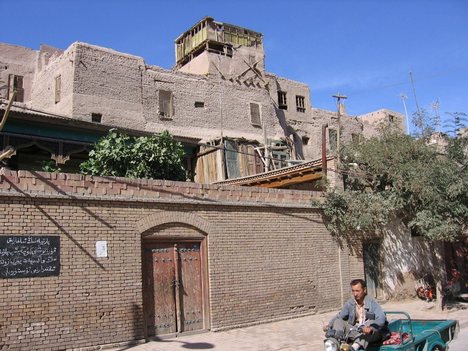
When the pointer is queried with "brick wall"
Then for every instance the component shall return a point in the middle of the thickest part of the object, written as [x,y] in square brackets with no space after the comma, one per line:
[269,255]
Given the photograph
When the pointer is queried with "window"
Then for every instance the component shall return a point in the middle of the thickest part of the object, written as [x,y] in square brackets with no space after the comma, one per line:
[282,102]
[305,140]
[332,139]
[96,117]
[232,159]
[199,104]
[16,83]
[255,114]
[58,88]
[391,118]
[166,104]
[300,103]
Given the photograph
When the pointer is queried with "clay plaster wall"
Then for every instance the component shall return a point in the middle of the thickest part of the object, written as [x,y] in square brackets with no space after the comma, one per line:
[19,61]
[312,130]
[237,66]
[43,90]
[406,259]
[126,93]
[374,120]
[110,83]
[292,88]
[226,109]
[198,65]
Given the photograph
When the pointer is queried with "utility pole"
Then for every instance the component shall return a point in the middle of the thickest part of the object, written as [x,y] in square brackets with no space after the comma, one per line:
[403,98]
[414,92]
[338,98]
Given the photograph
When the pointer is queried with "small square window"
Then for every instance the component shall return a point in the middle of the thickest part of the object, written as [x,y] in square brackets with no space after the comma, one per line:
[300,103]
[255,114]
[282,101]
[305,140]
[199,104]
[96,117]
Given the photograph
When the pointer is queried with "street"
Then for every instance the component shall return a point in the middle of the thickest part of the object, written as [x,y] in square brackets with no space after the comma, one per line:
[461,342]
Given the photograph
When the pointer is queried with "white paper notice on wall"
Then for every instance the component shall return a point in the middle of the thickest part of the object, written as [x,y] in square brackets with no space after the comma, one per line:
[101,248]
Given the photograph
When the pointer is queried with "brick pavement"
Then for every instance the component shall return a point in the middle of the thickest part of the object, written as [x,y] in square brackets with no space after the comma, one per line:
[299,334]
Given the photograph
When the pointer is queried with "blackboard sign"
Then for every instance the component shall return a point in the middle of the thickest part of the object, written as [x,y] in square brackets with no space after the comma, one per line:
[29,256]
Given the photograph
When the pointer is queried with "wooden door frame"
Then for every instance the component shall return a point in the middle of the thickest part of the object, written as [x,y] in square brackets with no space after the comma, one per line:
[146,242]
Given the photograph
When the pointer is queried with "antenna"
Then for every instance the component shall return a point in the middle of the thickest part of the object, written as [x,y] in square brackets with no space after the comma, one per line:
[403,98]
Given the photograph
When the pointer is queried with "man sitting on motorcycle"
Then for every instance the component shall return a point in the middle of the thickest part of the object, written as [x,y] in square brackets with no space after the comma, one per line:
[361,319]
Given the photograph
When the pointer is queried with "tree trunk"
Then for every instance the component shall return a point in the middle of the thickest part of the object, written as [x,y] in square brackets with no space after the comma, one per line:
[440,274]
[440,296]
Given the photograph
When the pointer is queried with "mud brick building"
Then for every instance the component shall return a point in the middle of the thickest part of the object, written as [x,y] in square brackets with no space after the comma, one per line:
[234,118]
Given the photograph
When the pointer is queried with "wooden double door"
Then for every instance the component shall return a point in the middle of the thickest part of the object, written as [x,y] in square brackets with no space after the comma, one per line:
[173,287]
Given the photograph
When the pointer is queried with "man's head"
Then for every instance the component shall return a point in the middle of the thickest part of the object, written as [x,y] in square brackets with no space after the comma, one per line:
[358,289]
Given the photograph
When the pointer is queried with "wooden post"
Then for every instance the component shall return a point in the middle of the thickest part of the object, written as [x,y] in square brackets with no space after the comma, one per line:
[324,149]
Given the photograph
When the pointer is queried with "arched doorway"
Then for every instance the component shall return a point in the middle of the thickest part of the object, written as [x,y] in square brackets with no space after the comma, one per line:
[175,280]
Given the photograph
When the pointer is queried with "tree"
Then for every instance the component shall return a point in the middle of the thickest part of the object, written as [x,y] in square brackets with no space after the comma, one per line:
[398,175]
[121,155]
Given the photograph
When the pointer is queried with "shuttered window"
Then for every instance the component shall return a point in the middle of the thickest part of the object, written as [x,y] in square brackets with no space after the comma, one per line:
[255,114]
[166,104]
[16,83]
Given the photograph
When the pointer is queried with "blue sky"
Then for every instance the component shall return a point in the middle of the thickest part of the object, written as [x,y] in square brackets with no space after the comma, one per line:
[364,49]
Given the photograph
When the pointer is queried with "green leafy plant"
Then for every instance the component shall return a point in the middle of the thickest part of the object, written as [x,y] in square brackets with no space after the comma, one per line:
[50,166]
[117,154]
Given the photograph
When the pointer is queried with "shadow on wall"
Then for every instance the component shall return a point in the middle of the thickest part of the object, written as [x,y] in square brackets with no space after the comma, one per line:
[281,119]
[404,259]
[137,312]
[407,259]
[56,222]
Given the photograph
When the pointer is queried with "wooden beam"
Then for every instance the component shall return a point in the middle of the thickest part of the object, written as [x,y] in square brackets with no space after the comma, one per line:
[284,182]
